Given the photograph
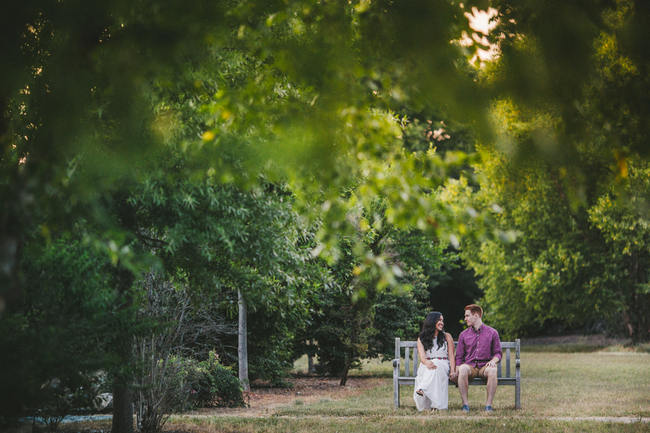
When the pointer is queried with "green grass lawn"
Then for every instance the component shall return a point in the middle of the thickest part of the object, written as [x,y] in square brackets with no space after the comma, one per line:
[403,425]
[554,384]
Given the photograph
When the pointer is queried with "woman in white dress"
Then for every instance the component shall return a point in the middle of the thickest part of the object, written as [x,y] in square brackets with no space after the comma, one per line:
[437,362]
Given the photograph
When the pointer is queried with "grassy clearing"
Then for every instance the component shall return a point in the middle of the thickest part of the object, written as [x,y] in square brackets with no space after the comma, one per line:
[585,347]
[641,348]
[587,384]
[582,343]
[553,385]
[564,348]
[387,424]
[369,368]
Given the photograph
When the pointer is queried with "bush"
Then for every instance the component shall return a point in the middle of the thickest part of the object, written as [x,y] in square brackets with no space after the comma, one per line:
[58,399]
[162,389]
[215,385]
[177,384]
[58,333]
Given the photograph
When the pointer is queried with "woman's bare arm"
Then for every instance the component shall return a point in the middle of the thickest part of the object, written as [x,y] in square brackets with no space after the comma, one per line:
[423,356]
[451,353]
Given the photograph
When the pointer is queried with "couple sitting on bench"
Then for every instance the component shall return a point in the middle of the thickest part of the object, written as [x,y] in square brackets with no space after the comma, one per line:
[477,355]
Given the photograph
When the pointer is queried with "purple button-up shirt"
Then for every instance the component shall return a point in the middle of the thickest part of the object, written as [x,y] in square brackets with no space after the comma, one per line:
[476,348]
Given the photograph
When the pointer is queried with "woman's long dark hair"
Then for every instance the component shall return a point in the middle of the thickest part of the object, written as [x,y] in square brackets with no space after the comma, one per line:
[429,328]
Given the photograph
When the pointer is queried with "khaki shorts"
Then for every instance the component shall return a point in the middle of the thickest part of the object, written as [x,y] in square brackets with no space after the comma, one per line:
[476,372]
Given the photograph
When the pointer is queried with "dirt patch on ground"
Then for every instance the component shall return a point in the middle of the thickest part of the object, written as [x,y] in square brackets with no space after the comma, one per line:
[304,389]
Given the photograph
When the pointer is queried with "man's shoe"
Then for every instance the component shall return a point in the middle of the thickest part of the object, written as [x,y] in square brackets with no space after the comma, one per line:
[489,409]
[465,408]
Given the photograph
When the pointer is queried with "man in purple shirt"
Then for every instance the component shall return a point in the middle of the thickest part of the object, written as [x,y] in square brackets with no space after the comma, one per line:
[478,352]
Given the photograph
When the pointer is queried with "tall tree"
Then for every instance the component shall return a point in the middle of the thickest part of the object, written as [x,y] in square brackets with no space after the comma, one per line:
[62,331]
[554,273]
[620,215]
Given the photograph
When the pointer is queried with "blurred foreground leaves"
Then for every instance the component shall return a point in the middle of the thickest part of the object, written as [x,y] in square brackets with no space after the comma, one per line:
[321,95]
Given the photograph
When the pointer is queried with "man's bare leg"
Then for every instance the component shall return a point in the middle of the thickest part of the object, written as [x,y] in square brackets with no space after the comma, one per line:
[492,380]
[463,382]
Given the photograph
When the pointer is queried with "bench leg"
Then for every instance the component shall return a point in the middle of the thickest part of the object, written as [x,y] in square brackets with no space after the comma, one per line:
[398,352]
[396,393]
[517,375]
[396,382]
[518,395]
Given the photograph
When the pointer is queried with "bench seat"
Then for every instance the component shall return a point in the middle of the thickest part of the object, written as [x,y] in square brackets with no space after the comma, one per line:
[406,375]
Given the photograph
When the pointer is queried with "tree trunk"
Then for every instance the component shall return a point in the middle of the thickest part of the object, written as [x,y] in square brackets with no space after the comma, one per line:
[346,370]
[12,224]
[242,347]
[311,350]
[635,317]
[628,324]
[122,396]
[122,409]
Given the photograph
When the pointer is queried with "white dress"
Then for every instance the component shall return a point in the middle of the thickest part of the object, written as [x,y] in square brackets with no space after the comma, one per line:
[433,382]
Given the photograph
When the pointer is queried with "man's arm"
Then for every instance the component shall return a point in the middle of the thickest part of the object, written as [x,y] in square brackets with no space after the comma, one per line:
[495,350]
[460,350]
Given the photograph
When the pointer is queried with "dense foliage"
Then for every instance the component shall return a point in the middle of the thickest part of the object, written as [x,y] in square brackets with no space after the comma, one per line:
[570,268]
[354,319]
[580,216]
[58,336]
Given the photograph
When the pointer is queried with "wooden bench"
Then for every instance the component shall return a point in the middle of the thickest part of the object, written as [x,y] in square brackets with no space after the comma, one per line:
[406,375]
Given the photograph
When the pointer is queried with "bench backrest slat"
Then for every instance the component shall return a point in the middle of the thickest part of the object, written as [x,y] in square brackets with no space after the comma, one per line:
[407,361]
[499,373]
[416,362]
[409,349]
[508,345]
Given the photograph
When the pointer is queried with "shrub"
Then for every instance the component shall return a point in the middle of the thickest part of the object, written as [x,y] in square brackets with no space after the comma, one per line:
[162,389]
[58,333]
[215,385]
[58,399]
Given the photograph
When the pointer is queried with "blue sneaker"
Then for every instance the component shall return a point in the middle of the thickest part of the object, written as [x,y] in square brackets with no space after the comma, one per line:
[465,408]
[489,409]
